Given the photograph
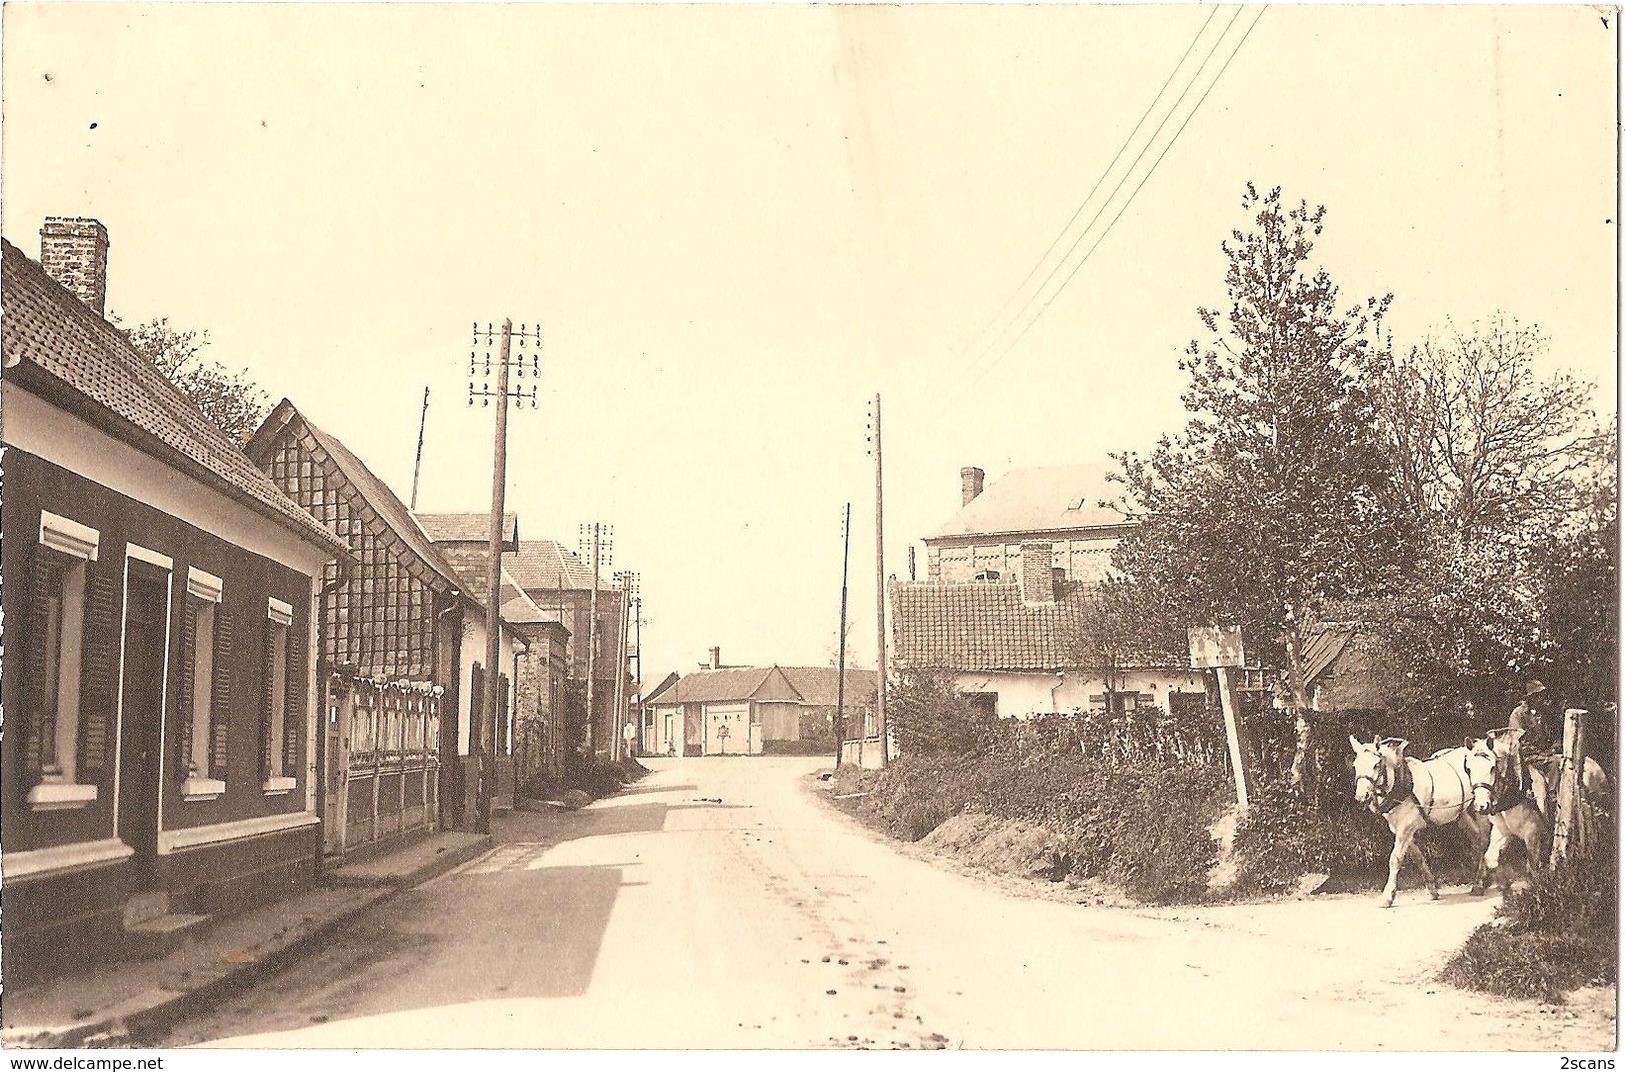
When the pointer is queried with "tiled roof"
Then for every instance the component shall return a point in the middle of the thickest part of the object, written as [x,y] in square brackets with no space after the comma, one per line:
[545,564]
[716,686]
[1037,500]
[987,626]
[817,684]
[46,328]
[468,528]
[811,685]
[665,683]
[366,483]
[1321,649]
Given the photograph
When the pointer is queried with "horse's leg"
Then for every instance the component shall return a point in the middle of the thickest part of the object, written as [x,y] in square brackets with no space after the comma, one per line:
[1492,855]
[1483,830]
[1427,872]
[1532,832]
[1403,833]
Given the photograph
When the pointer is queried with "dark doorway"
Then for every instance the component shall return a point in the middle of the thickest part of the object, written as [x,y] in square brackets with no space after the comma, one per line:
[146,633]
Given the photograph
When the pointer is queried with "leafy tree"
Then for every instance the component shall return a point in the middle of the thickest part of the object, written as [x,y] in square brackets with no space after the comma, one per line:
[1277,498]
[1122,628]
[229,400]
[1500,468]
[927,714]
[1577,565]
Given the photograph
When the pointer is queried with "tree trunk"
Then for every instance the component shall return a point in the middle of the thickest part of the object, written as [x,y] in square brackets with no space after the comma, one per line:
[1303,755]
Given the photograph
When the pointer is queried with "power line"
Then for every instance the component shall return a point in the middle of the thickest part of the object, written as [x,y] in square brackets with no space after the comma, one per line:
[999,316]
[992,344]
[1133,193]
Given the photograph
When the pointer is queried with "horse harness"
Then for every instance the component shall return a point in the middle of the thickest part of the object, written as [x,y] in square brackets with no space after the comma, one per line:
[1402,786]
[1503,797]
[1398,789]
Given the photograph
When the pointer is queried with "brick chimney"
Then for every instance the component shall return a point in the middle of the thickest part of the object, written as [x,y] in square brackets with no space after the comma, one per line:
[73,251]
[970,483]
[1038,572]
[716,658]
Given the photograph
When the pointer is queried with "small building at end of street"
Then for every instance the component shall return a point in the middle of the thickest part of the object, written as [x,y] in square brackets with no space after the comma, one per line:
[754,710]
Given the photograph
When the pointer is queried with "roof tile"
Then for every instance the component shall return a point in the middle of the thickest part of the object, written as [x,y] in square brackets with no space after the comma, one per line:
[48,328]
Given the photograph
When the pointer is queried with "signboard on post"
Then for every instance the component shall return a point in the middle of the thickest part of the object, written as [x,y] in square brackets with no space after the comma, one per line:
[1218,648]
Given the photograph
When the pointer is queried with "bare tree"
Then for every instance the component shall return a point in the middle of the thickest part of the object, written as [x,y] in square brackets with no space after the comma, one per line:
[229,400]
[1482,445]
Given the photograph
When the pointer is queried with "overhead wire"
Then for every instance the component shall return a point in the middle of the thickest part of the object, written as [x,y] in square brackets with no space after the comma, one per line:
[992,344]
[1133,193]
[1121,149]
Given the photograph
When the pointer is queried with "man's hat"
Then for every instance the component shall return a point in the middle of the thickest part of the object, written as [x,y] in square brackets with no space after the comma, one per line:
[1534,687]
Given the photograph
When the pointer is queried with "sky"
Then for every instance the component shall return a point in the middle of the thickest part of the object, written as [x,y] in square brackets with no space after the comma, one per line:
[736,225]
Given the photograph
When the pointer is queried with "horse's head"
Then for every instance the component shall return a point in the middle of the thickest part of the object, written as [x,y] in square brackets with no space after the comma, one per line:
[1491,763]
[1374,766]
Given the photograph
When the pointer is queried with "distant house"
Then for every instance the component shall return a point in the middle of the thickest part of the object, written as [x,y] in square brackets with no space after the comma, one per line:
[160,755]
[562,585]
[1057,505]
[752,710]
[391,636]
[650,741]
[1030,644]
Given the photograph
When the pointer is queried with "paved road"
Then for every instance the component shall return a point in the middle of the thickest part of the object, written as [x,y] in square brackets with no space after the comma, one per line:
[720,904]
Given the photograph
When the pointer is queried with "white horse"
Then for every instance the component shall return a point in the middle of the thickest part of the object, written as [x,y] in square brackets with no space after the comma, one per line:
[1413,794]
[1511,794]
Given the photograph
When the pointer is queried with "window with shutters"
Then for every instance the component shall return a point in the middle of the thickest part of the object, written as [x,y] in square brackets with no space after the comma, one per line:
[56,718]
[276,760]
[205,687]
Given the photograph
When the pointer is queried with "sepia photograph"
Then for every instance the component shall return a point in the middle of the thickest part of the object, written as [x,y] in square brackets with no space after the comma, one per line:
[717,527]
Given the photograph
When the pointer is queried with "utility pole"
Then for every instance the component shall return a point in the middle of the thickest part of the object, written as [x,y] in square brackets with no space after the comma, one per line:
[628,580]
[637,652]
[482,731]
[880,596]
[600,536]
[840,646]
[417,466]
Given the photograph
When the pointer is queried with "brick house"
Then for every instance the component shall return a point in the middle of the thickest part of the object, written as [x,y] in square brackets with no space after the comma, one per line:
[160,759]
[1011,605]
[1033,639]
[1057,505]
[562,585]
[390,644]
[464,541]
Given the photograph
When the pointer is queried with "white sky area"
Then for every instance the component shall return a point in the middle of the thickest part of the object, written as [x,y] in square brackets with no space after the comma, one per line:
[738,224]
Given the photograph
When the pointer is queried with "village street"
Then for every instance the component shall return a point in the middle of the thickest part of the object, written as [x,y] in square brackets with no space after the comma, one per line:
[720,904]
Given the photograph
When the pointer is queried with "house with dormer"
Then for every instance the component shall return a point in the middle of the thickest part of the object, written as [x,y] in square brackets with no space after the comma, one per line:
[1013,604]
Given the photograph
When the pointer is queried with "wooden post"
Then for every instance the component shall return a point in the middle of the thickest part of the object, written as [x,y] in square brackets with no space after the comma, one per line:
[482,737]
[840,657]
[1568,827]
[1228,701]
[880,603]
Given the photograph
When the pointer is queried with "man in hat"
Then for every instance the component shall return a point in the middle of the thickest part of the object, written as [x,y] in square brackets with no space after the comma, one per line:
[1535,717]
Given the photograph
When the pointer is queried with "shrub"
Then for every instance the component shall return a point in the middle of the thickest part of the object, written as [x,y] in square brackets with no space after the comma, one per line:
[1141,827]
[1283,836]
[1557,933]
[1521,964]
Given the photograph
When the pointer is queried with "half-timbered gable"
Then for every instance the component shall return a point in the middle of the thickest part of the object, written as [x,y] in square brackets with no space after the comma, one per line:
[390,639]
